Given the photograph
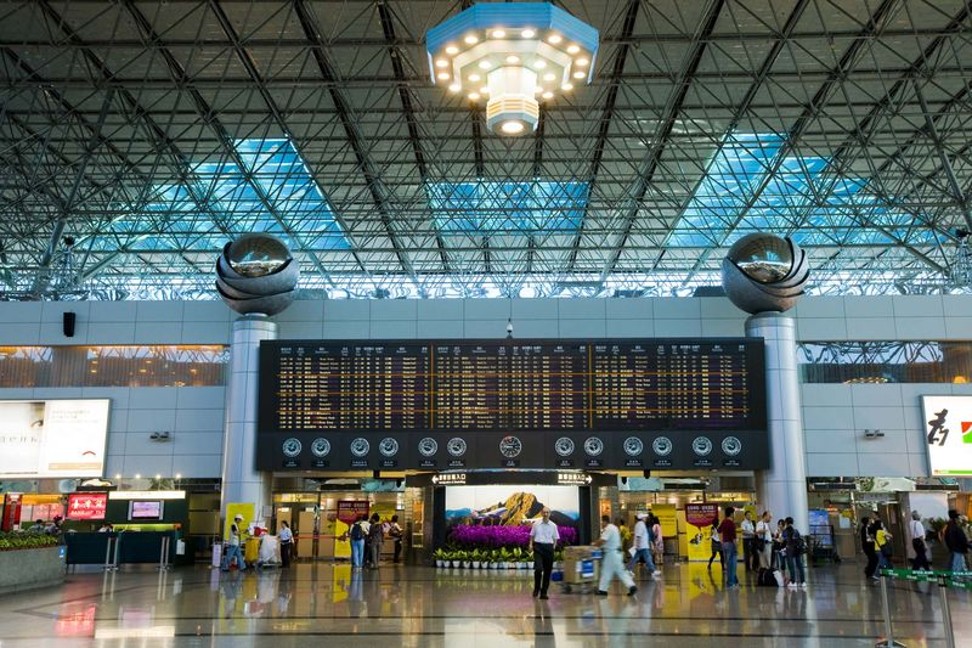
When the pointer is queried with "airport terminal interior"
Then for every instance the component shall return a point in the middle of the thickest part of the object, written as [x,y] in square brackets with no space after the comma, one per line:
[346,320]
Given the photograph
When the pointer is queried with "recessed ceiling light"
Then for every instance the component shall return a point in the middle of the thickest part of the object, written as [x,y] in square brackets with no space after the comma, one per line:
[547,95]
[539,64]
[549,76]
[451,49]
[512,127]
[474,96]
[444,76]
[485,65]
[573,49]
[553,39]
[471,39]
[512,60]
[579,75]
[528,33]
[455,87]
[474,77]
[441,63]
[499,33]
[567,87]
[582,62]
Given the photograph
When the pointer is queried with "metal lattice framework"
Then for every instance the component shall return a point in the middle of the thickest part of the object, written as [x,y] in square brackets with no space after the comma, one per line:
[137,137]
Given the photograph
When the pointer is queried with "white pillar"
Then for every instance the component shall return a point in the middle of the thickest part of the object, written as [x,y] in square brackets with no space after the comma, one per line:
[241,481]
[782,489]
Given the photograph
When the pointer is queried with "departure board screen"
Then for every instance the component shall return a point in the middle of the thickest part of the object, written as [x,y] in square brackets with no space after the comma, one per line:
[374,396]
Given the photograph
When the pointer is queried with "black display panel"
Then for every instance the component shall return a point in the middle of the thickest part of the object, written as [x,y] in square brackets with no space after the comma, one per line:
[445,404]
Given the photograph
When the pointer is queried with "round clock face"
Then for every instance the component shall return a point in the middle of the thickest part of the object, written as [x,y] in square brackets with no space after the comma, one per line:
[321,447]
[510,447]
[593,446]
[388,447]
[564,446]
[456,446]
[662,446]
[633,446]
[360,447]
[701,446]
[291,447]
[732,446]
[427,447]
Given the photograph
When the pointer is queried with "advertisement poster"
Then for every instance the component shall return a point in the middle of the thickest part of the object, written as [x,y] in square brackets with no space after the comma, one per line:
[699,519]
[55,438]
[948,434]
[510,505]
[347,512]
[666,518]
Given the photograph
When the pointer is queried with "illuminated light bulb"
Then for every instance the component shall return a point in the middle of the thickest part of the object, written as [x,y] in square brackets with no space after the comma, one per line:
[579,75]
[582,62]
[158,476]
[499,33]
[138,476]
[485,65]
[528,33]
[512,127]
[573,49]
[117,475]
[178,475]
[474,77]
[444,76]
[547,95]
[471,39]
[567,87]
[474,96]
[539,64]
[441,63]
[554,39]
[455,87]
[549,76]
[451,49]
[512,60]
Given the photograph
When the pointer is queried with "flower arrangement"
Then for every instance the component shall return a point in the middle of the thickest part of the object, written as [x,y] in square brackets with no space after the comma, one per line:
[475,536]
[16,540]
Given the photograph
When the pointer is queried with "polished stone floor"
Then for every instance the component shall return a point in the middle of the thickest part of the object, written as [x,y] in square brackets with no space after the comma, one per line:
[322,604]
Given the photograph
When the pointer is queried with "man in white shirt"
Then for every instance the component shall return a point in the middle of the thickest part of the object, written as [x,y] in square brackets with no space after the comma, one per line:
[543,538]
[642,547]
[611,564]
[764,537]
[917,531]
[233,545]
[748,533]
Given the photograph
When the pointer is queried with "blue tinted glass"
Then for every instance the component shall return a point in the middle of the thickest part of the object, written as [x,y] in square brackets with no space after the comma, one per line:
[485,206]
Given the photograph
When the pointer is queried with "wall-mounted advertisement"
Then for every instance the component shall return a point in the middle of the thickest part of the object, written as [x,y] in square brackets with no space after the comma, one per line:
[53,438]
[948,434]
[502,515]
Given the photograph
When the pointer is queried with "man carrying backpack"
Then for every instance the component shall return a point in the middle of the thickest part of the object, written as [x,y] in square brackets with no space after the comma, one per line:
[795,548]
[356,536]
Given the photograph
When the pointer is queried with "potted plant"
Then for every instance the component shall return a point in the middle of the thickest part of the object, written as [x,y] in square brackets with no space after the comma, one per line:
[440,557]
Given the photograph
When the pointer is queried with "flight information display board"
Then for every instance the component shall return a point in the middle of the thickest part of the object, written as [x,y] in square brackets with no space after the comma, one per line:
[660,403]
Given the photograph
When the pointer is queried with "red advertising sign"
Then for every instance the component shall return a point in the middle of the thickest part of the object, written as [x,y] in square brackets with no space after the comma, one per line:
[11,511]
[701,515]
[349,510]
[87,506]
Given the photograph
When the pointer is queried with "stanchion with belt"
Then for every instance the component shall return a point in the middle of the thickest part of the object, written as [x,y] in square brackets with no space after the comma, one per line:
[943,579]
[164,554]
[111,549]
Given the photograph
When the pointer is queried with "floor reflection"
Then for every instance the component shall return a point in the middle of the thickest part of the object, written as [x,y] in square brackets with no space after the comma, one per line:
[419,607]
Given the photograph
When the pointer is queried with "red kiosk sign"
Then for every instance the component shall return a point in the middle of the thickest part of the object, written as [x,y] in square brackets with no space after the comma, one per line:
[87,506]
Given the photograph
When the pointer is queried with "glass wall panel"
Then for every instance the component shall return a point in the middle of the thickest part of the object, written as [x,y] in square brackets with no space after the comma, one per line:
[114,366]
[885,362]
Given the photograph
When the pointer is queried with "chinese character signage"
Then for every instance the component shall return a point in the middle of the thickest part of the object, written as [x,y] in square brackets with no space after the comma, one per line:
[87,506]
[948,434]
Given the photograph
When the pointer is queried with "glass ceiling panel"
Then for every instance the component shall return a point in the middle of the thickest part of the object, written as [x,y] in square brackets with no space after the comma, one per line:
[490,207]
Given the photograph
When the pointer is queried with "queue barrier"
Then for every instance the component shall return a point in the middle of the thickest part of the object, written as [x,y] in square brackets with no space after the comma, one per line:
[944,580]
[114,549]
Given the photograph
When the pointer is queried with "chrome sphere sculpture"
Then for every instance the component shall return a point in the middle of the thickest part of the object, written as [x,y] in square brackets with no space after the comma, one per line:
[256,274]
[763,272]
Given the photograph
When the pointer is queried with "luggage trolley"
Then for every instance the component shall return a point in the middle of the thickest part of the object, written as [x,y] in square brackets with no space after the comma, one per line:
[582,569]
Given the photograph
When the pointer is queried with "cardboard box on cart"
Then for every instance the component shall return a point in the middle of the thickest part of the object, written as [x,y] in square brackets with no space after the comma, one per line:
[582,565]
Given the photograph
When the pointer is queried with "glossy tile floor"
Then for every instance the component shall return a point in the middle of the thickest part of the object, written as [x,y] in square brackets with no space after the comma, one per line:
[322,603]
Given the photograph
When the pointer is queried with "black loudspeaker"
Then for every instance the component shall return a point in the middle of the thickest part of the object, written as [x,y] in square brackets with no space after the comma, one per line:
[69,320]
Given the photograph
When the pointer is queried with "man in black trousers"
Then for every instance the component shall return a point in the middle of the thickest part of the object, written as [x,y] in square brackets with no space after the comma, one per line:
[543,538]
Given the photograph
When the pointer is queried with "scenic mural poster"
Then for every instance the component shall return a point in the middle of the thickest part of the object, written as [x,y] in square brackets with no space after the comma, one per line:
[510,505]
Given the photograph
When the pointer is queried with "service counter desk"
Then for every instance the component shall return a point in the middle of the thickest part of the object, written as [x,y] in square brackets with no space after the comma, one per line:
[111,550]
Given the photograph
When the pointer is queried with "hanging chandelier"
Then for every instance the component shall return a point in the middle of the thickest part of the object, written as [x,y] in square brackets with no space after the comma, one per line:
[513,55]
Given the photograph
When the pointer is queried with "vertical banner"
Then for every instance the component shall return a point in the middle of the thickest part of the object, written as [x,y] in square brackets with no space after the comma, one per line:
[699,519]
[11,512]
[246,509]
[347,512]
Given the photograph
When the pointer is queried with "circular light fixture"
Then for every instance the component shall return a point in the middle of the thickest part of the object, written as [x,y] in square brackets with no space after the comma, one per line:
[512,127]
[582,62]
[505,46]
